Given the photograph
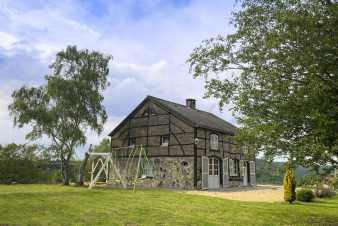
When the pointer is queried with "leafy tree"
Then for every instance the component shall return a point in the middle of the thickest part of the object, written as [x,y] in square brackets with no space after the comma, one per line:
[20,151]
[18,163]
[279,70]
[289,184]
[104,146]
[69,103]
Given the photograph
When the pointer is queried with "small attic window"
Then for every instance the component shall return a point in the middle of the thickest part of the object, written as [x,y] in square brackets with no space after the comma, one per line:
[145,113]
[131,141]
[164,140]
[152,111]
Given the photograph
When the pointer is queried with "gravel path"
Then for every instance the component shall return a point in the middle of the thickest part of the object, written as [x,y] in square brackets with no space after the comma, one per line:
[260,193]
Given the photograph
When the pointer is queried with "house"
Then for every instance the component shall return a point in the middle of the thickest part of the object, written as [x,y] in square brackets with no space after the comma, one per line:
[188,148]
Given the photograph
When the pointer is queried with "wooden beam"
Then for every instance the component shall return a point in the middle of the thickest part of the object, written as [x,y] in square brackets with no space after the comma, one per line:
[157,156]
[180,127]
[169,133]
[156,135]
[205,142]
[179,143]
[148,124]
[140,117]
[195,159]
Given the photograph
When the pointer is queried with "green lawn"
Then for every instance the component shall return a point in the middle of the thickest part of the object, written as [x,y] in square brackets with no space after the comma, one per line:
[58,205]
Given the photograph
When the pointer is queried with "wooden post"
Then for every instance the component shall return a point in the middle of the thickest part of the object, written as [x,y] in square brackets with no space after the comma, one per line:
[138,166]
[83,167]
[92,174]
[195,159]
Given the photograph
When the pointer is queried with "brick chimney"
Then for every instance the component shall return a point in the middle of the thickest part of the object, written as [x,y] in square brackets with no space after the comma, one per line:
[190,103]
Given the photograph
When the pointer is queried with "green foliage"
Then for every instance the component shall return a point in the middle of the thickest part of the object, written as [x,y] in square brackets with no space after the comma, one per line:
[16,164]
[289,184]
[104,146]
[320,180]
[69,103]
[27,164]
[324,191]
[273,173]
[269,172]
[22,164]
[280,71]
[305,195]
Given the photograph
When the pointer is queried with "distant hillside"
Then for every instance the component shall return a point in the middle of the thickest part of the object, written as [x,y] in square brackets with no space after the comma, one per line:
[273,173]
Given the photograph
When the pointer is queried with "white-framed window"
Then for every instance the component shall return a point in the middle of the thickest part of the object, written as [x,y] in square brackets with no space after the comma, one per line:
[148,171]
[213,141]
[213,167]
[234,167]
[165,140]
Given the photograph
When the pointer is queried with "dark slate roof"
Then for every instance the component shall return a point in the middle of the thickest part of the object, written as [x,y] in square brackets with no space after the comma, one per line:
[197,117]
[194,117]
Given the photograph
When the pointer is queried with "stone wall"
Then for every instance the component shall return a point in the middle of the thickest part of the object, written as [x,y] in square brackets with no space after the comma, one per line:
[168,172]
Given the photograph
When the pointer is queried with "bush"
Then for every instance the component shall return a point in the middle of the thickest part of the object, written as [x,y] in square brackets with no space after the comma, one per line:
[289,184]
[23,164]
[324,191]
[305,195]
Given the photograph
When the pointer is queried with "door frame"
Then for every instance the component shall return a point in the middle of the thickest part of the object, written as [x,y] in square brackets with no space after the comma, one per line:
[247,163]
[219,171]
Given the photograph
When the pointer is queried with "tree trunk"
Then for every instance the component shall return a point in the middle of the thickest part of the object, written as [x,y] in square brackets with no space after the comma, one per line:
[66,172]
[83,167]
[67,168]
[62,168]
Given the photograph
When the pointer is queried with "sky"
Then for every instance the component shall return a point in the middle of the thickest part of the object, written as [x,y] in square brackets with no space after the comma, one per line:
[150,40]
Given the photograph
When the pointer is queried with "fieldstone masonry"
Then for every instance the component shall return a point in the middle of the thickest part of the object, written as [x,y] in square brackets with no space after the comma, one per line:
[168,172]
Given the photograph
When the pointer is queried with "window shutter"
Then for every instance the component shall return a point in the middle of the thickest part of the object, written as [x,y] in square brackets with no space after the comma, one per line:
[245,173]
[226,173]
[231,167]
[205,168]
[253,173]
[241,168]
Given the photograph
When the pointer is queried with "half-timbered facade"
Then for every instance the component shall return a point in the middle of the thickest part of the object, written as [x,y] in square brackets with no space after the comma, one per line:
[189,148]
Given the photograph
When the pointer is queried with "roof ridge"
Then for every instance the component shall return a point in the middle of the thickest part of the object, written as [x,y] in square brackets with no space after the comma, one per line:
[180,105]
[230,124]
[166,100]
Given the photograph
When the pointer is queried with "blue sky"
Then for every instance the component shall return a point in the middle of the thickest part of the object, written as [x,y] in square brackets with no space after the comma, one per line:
[149,40]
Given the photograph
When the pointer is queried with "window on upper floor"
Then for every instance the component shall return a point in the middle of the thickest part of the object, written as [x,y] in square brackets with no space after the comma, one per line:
[213,141]
[164,140]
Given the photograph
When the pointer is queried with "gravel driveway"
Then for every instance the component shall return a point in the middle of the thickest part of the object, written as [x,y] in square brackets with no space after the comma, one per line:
[260,193]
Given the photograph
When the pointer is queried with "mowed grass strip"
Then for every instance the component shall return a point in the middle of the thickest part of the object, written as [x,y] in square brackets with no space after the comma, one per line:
[59,205]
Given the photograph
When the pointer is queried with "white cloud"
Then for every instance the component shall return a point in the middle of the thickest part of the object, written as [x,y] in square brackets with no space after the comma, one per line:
[9,134]
[7,40]
[149,44]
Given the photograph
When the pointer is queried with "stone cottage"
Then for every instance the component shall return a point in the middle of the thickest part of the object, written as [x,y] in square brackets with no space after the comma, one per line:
[188,148]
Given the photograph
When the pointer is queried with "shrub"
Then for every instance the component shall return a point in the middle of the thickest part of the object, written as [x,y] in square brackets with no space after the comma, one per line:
[324,191]
[289,184]
[305,195]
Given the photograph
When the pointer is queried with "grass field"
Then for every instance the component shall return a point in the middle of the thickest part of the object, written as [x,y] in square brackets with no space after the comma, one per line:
[58,205]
